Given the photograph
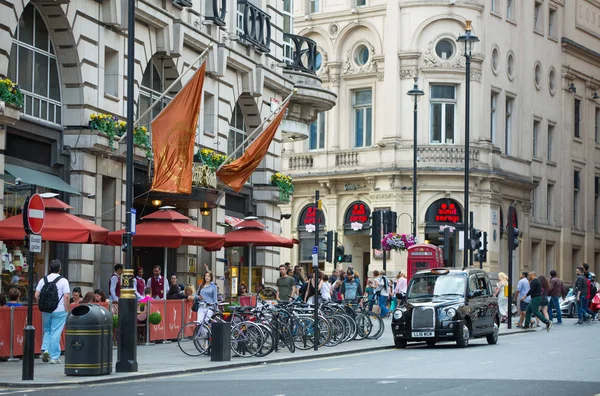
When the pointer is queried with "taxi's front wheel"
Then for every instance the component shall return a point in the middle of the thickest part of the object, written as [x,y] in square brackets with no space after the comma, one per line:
[399,343]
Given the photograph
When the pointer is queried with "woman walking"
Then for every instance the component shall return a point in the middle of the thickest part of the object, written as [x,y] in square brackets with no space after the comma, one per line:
[499,292]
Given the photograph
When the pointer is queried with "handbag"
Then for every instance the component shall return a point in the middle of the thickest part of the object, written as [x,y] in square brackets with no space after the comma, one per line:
[196,306]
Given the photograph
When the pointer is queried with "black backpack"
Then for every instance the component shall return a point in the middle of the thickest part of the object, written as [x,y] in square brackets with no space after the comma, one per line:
[49,300]
[593,291]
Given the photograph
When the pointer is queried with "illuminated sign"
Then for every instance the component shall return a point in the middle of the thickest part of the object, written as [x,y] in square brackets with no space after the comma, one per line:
[357,216]
[444,211]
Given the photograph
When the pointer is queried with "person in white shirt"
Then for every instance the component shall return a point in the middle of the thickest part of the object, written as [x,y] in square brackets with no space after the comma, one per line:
[382,291]
[325,291]
[115,284]
[55,321]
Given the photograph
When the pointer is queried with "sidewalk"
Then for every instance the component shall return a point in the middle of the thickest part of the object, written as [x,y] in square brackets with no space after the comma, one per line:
[166,359]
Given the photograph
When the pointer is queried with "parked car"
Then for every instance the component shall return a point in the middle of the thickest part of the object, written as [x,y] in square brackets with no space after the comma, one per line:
[447,304]
[568,306]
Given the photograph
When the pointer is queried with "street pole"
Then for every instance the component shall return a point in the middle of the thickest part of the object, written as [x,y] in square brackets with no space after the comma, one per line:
[509,226]
[29,331]
[415,169]
[127,324]
[316,271]
[470,247]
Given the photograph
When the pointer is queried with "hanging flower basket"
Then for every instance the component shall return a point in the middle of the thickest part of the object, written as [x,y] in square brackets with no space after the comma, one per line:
[284,184]
[11,94]
[397,242]
[211,158]
[114,128]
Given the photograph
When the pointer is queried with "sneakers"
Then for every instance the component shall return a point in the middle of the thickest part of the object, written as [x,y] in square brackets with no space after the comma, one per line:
[45,357]
[578,322]
[548,326]
[526,327]
[55,361]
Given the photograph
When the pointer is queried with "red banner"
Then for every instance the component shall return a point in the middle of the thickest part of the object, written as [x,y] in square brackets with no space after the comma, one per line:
[173,318]
[157,332]
[5,332]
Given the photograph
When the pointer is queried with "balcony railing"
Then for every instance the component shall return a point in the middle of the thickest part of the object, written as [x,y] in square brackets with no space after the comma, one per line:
[216,11]
[303,53]
[446,154]
[346,159]
[301,162]
[255,26]
[183,3]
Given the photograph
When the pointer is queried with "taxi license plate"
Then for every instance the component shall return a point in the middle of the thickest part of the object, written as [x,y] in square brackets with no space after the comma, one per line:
[423,334]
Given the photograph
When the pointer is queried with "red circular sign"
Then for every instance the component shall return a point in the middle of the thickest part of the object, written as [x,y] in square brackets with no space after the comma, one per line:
[36,213]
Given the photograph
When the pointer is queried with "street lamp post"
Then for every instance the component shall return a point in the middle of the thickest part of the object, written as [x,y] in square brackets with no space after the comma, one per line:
[416,93]
[468,40]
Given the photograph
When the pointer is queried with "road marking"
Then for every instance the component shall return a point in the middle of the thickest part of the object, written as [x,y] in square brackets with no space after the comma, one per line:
[486,362]
[333,369]
[386,382]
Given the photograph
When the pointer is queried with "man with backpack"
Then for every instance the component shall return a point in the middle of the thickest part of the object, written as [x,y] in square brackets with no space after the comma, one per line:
[53,297]
[382,292]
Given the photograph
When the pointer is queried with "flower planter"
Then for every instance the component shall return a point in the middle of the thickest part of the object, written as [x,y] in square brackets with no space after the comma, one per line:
[267,193]
[9,115]
[89,139]
[139,153]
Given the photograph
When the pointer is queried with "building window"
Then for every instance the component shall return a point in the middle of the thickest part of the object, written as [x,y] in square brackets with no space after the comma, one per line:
[577,118]
[150,90]
[534,197]
[493,116]
[111,71]
[537,16]
[239,19]
[510,10]
[597,126]
[443,108]
[363,117]
[288,27]
[209,113]
[576,188]
[596,203]
[536,129]
[494,6]
[316,139]
[32,65]
[552,22]
[550,142]
[314,6]
[549,193]
[508,126]
[237,132]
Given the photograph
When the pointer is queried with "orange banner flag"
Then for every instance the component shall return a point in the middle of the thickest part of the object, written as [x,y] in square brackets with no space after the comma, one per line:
[173,136]
[237,173]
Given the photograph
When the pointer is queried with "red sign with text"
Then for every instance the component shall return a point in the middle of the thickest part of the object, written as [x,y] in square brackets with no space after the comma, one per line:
[447,213]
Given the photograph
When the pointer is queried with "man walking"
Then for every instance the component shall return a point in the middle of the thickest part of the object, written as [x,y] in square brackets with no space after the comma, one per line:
[53,296]
[580,290]
[286,285]
[351,288]
[114,285]
[522,290]
[555,291]
[382,292]
[535,292]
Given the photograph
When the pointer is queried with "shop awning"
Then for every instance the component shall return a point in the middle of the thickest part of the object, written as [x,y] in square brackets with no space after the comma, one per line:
[30,176]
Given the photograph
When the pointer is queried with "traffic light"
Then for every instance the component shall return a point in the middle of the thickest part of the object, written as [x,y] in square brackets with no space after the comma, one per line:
[339,253]
[347,258]
[515,238]
[484,248]
[446,244]
[376,230]
[392,221]
[329,246]
[475,239]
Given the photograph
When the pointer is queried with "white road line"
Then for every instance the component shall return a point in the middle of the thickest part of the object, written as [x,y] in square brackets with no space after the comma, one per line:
[386,382]
[486,362]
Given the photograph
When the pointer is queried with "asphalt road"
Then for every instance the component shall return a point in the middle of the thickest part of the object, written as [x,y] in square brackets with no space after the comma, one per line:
[562,362]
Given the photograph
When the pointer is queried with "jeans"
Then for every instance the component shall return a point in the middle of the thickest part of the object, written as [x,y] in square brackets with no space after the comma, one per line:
[553,303]
[384,310]
[534,307]
[53,326]
[583,308]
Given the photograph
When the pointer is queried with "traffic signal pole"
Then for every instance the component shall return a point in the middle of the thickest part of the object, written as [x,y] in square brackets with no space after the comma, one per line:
[511,213]
[316,271]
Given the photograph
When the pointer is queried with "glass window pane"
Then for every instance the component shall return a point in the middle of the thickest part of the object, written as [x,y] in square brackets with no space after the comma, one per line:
[231,142]
[41,33]
[28,105]
[436,123]
[363,97]
[287,5]
[12,63]
[287,24]
[321,130]
[449,123]
[40,85]
[51,110]
[358,127]
[368,128]
[156,81]
[36,107]
[25,69]
[59,114]
[54,83]
[26,26]
[44,114]
[442,91]
[313,136]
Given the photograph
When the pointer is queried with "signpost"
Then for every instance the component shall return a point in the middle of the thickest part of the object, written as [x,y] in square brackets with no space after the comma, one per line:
[315,255]
[33,222]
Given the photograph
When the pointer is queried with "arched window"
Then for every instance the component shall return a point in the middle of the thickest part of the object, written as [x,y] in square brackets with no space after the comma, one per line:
[237,132]
[33,66]
[150,90]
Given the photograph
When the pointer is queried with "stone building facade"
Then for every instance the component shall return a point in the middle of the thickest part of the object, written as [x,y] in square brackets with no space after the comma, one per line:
[535,126]
[69,58]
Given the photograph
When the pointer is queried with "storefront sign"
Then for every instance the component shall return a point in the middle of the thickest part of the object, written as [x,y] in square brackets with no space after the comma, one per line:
[357,216]
[308,219]
[444,211]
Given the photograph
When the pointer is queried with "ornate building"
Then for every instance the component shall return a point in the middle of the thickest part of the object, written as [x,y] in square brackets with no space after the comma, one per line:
[69,58]
[535,126]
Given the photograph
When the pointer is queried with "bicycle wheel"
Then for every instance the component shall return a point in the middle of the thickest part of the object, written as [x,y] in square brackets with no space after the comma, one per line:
[269,341]
[363,325]
[324,331]
[303,333]
[378,326]
[246,339]
[193,340]
[287,339]
[337,331]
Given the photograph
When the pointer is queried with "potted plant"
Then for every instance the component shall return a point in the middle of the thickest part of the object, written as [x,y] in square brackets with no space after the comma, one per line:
[155,318]
[397,242]
[284,184]
[11,95]
[106,124]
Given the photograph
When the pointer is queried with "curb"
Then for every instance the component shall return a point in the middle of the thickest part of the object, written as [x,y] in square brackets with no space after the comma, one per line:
[108,379]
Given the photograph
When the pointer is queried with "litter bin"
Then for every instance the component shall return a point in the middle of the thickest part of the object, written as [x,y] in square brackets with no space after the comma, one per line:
[88,343]
[220,344]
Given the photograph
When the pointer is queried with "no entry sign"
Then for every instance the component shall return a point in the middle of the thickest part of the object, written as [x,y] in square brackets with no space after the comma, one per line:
[34,214]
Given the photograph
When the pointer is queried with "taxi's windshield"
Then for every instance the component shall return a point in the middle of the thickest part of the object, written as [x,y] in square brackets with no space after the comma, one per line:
[437,286]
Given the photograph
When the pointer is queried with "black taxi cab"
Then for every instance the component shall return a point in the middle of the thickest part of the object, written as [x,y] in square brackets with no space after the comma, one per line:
[447,304]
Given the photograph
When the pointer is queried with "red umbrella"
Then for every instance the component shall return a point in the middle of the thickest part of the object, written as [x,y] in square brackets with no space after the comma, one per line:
[59,226]
[251,232]
[168,229]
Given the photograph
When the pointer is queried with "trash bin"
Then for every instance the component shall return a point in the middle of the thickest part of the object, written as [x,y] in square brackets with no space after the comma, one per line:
[220,344]
[88,343]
